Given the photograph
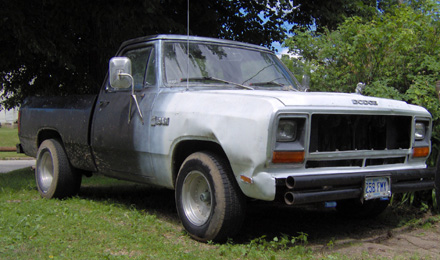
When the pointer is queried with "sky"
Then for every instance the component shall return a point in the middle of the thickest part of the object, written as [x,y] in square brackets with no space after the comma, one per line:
[279,49]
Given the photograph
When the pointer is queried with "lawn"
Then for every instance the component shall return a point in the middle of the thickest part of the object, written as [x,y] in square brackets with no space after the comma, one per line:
[109,220]
[112,219]
[9,138]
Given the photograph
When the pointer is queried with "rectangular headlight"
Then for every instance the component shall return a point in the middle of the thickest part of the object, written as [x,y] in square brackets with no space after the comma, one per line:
[287,130]
[420,131]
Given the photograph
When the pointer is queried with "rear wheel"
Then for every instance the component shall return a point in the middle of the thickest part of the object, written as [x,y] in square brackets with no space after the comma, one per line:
[356,209]
[209,202]
[54,175]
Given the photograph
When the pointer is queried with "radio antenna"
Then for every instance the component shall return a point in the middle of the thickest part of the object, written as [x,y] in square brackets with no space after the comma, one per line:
[187,45]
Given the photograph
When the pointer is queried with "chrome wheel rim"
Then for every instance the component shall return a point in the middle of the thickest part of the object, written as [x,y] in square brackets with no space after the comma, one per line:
[196,198]
[45,171]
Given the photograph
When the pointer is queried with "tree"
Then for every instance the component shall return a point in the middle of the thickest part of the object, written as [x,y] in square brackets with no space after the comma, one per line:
[59,47]
[397,55]
[320,15]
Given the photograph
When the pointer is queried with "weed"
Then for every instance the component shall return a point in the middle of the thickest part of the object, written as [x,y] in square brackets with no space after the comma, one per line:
[331,243]
[265,248]
[278,243]
[434,200]
[422,199]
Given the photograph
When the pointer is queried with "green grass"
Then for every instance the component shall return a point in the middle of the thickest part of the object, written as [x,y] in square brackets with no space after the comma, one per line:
[12,155]
[111,220]
[8,136]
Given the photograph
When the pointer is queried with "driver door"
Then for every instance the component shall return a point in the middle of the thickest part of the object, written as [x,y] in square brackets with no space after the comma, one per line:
[119,134]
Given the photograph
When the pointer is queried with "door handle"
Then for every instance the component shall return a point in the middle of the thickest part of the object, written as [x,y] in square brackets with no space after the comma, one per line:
[103,103]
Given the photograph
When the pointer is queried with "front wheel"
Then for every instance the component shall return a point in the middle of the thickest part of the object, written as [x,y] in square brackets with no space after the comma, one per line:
[208,200]
[54,175]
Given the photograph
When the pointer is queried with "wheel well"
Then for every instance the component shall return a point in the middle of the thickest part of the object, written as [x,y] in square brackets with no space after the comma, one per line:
[186,148]
[48,134]
[52,134]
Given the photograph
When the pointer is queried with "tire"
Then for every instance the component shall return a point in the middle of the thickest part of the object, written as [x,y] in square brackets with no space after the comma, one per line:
[54,175]
[354,208]
[209,202]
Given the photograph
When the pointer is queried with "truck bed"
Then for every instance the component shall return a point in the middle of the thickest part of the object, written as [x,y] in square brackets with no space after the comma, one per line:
[65,118]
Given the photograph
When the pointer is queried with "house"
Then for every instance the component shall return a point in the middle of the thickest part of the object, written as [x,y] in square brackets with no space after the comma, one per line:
[7,117]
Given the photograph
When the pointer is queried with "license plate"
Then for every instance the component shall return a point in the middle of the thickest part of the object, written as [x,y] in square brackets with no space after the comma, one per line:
[377,187]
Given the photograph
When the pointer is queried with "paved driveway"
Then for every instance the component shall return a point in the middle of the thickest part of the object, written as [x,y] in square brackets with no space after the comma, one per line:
[10,165]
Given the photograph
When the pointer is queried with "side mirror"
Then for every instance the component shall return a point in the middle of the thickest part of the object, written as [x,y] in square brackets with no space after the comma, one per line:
[305,83]
[120,72]
[360,88]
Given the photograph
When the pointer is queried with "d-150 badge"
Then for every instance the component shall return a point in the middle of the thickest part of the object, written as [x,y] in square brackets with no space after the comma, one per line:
[156,120]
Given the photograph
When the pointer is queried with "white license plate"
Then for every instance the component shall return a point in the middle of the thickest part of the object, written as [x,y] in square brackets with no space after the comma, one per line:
[377,187]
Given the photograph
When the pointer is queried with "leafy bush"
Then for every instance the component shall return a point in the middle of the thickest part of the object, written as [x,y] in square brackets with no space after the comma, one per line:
[396,54]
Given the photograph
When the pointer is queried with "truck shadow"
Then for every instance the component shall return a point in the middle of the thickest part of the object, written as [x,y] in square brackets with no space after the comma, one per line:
[262,220]
[321,225]
[152,200]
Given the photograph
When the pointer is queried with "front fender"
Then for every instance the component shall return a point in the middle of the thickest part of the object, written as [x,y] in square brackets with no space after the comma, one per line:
[239,124]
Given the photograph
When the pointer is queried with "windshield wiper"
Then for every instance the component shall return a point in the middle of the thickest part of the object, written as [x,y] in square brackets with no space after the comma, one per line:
[266,83]
[216,79]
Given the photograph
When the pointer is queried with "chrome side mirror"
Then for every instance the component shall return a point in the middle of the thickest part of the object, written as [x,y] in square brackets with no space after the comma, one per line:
[305,83]
[121,78]
[360,88]
[120,72]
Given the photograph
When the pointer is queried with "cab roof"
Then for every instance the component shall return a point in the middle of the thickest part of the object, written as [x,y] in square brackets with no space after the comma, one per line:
[180,38]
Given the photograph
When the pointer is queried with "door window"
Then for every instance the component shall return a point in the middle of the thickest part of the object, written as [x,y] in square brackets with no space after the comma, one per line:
[143,67]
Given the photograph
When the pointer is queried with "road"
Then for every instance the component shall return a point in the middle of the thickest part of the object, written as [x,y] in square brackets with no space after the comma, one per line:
[10,165]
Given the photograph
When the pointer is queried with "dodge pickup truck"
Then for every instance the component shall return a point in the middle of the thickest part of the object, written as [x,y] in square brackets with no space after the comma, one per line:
[222,123]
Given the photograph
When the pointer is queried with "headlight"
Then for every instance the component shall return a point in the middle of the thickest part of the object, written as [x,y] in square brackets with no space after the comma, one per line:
[420,131]
[287,130]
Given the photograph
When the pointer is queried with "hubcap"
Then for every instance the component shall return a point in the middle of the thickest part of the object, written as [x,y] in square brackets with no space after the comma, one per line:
[45,171]
[196,198]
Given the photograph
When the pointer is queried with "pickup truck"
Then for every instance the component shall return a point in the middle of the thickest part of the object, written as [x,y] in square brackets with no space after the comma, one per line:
[223,123]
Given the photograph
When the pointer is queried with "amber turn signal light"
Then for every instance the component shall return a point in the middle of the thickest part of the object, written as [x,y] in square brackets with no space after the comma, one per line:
[288,157]
[420,152]
[246,179]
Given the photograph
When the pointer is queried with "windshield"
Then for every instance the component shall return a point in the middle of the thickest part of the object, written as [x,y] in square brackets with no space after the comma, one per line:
[213,64]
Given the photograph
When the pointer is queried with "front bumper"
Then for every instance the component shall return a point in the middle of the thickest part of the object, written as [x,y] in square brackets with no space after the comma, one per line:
[295,190]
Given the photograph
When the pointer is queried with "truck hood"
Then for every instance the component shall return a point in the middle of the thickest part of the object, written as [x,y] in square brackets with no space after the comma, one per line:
[330,100]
